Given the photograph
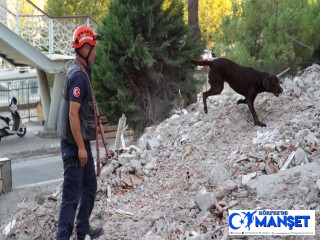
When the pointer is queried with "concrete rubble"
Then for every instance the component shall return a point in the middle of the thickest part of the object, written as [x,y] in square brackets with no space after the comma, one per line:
[179,180]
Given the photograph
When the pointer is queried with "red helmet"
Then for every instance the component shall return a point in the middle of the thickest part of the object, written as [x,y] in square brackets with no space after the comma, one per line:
[82,35]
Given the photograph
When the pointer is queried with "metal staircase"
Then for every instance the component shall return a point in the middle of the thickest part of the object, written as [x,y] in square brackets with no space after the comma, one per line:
[50,35]
[30,37]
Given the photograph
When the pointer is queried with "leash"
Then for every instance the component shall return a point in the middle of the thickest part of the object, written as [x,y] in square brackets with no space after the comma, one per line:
[98,122]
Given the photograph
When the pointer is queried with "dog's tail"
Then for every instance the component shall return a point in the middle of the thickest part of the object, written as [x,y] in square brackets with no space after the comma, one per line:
[201,62]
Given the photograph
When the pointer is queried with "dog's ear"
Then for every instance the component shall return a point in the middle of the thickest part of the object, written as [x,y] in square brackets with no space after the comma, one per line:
[266,82]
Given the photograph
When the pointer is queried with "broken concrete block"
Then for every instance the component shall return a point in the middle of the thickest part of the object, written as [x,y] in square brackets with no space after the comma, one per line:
[310,138]
[152,144]
[126,178]
[135,180]
[246,178]
[205,201]
[300,157]
[136,165]
[218,175]
[312,196]
[302,133]
[125,158]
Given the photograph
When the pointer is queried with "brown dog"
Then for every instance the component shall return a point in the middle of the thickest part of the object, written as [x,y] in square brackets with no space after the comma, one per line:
[246,81]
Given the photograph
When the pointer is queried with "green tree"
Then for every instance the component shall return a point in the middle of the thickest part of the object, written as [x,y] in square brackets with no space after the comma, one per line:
[210,17]
[143,60]
[316,29]
[269,34]
[96,9]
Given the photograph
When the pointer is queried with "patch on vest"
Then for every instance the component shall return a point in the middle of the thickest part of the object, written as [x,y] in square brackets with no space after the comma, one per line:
[76,92]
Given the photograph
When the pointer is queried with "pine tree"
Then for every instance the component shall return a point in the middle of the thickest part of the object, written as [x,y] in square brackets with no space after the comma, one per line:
[267,34]
[316,29]
[143,60]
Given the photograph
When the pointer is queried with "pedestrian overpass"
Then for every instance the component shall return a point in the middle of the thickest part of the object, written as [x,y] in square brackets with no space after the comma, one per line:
[30,37]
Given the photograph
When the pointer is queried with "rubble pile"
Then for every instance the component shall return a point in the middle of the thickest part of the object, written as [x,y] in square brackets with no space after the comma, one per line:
[183,175]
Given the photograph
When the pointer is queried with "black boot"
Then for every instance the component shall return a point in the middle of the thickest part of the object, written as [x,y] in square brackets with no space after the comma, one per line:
[93,233]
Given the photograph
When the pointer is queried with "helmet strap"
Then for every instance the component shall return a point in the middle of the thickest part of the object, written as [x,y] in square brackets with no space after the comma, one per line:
[82,56]
[91,48]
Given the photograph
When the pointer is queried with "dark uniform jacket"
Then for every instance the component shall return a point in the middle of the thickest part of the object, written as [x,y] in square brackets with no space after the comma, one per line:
[86,111]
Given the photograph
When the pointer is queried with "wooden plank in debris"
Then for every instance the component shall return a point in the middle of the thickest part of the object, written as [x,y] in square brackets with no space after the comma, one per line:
[246,177]
[109,127]
[219,207]
[231,204]
[103,119]
[110,131]
[9,227]
[288,161]
[109,135]
[126,214]
[106,170]
[121,126]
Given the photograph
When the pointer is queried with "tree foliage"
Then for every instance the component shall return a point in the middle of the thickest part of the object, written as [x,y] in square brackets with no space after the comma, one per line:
[96,9]
[143,60]
[315,6]
[210,13]
[269,34]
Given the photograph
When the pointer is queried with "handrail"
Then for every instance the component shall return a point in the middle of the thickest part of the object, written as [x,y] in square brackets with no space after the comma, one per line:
[49,34]
[39,9]
[67,16]
[7,9]
[19,68]
[75,16]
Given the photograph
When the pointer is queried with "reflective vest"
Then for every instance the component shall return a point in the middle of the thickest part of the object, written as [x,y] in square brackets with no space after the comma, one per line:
[86,111]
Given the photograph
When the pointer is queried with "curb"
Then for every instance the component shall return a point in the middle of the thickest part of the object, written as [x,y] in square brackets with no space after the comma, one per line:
[32,185]
[31,153]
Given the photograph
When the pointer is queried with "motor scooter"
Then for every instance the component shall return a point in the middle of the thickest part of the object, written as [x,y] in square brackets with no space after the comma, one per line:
[17,127]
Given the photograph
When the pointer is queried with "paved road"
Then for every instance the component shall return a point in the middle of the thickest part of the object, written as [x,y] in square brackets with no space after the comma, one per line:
[36,159]
[33,171]
[16,147]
